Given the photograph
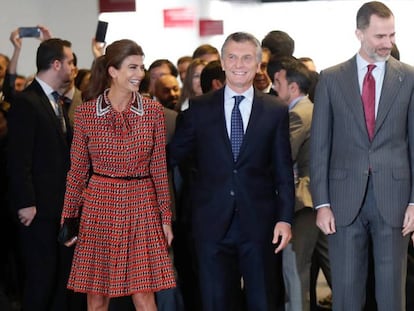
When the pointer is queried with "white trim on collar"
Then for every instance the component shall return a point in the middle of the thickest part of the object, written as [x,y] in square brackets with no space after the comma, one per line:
[103,106]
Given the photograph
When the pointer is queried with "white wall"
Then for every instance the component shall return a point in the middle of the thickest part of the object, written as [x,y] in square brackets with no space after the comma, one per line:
[74,20]
[323,30]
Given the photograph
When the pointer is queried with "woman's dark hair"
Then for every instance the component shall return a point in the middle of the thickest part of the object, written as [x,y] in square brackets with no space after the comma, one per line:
[115,54]
[82,73]
[187,91]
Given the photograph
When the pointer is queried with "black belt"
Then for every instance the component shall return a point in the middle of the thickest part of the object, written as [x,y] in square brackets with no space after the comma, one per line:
[122,177]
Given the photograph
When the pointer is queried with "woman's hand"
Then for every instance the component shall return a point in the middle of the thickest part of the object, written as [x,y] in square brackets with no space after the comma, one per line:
[71,242]
[168,234]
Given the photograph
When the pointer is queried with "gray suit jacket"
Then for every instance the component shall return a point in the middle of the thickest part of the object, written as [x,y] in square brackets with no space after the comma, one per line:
[76,101]
[341,153]
[300,119]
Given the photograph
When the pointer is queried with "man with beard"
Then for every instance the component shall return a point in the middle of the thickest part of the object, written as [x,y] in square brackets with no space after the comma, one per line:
[167,91]
[362,153]
[38,160]
[157,69]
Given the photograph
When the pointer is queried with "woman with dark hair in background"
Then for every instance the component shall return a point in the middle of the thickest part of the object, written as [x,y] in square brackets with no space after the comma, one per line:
[191,86]
[119,141]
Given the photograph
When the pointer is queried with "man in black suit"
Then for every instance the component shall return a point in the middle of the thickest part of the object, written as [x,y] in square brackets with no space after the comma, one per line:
[38,160]
[243,190]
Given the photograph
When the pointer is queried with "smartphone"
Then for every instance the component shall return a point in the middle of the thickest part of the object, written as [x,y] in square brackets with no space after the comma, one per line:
[29,32]
[101,31]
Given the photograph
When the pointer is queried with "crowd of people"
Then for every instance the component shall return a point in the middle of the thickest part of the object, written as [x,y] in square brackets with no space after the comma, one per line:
[226,181]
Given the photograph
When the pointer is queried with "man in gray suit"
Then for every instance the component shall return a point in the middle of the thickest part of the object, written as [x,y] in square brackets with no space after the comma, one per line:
[291,80]
[362,166]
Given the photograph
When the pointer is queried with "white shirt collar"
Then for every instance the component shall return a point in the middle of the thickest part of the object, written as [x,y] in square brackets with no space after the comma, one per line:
[248,94]
[362,63]
[46,88]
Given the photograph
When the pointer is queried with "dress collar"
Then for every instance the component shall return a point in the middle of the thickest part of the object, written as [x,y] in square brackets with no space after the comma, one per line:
[103,105]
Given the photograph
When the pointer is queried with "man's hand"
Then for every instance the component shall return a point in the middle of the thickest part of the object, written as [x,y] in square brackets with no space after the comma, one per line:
[26,215]
[168,233]
[408,224]
[282,234]
[325,220]
[45,33]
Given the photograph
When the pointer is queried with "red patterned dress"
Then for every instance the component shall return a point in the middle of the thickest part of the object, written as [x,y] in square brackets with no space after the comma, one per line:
[121,248]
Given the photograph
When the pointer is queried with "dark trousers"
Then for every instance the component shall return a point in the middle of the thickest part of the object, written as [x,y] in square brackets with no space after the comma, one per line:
[186,266]
[320,260]
[223,263]
[410,278]
[46,269]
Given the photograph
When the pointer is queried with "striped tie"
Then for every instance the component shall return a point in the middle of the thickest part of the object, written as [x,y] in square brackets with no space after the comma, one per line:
[60,115]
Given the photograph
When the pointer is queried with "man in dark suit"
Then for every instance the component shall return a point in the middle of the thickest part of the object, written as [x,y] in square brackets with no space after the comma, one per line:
[38,160]
[362,164]
[243,190]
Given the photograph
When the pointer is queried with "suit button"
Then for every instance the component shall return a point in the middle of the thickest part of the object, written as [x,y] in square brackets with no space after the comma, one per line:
[232,193]
[235,171]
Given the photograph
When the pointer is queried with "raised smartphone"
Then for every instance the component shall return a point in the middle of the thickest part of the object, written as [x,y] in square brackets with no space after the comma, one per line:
[29,32]
[101,31]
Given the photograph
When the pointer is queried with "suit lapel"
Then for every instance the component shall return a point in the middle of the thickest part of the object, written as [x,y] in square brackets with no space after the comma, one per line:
[47,108]
[218,110]
[391,86]
[251,130]
[348,79]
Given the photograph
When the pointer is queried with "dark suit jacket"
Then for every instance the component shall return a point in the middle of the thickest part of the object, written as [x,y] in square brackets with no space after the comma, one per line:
[342,154]
[38,154]
[259,185]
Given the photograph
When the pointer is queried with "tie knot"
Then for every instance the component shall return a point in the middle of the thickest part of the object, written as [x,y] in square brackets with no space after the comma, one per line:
[66,100]
[371,68]
[238,99]
[56,96]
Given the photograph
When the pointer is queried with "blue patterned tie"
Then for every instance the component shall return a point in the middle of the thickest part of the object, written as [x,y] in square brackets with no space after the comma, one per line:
[237,132]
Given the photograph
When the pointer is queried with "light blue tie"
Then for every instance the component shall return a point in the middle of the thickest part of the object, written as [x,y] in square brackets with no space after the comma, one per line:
[236,132]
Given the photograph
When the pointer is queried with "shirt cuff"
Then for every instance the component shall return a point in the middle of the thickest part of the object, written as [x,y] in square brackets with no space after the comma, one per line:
[322,205]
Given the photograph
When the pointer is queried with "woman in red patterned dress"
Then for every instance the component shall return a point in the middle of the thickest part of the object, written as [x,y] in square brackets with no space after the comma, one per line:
[118,175]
